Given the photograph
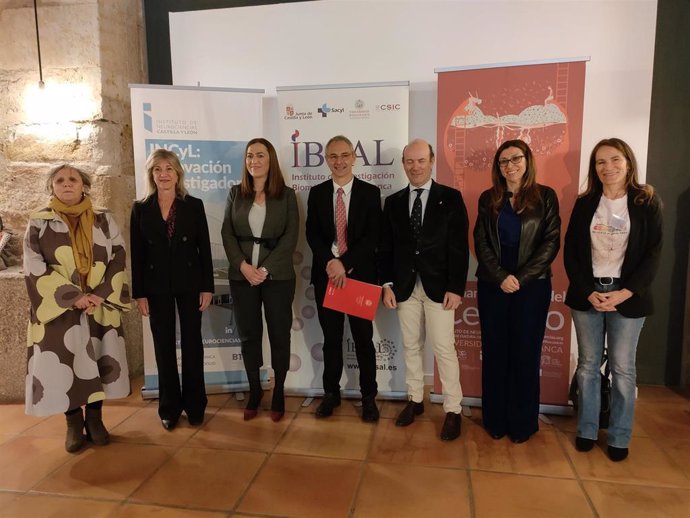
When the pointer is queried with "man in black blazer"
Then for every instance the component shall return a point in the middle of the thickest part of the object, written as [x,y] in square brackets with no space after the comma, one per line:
[424,258]
[352,206]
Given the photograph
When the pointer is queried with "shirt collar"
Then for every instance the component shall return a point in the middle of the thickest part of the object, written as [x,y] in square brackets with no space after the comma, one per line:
[425,187]
[346,188]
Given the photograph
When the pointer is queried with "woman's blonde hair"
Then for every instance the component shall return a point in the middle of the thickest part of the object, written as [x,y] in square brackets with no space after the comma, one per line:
[153,159]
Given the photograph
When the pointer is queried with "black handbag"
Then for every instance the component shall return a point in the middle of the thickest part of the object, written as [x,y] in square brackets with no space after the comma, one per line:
[605,393]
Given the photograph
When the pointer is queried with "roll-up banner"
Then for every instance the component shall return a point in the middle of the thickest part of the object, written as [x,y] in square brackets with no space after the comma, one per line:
[208,129]
[478,109]
[375,118]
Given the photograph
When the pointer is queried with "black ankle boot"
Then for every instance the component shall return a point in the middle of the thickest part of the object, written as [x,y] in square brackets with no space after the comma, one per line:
[256,393]
[278,401]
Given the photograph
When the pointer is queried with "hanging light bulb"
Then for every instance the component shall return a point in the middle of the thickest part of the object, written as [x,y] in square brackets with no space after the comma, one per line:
[41,84]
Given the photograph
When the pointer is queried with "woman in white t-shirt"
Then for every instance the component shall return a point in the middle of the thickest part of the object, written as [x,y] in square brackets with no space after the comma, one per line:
[611,252]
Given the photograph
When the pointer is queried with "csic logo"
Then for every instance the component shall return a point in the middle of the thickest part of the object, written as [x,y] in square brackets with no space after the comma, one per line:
[388,107]
[325,110]
[290,110]
[148,120]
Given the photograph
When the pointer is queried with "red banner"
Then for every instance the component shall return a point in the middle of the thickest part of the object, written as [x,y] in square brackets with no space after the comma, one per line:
[478,109]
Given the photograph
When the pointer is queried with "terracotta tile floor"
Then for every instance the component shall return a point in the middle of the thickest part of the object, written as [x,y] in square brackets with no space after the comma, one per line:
[340,467]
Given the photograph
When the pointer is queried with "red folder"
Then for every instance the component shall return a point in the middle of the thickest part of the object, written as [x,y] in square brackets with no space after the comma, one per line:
[356,298]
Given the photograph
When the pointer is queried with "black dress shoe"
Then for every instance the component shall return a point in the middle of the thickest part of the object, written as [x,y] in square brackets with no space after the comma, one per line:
[370,413]
[169,424]
[328,403]
[406,416]
[519,439]
[583,444]
[451,427]
[195,421]
[617,454]
[496,435]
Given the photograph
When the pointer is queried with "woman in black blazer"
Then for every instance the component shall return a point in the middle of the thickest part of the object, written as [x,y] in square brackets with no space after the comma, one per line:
[260,235]
[612,249]
[517,237]
[172,266]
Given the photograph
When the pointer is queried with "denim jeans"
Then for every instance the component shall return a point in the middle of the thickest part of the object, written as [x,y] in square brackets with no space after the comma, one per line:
[621,334]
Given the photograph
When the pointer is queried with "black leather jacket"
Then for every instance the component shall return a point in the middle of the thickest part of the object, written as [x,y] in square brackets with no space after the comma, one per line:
[540,239]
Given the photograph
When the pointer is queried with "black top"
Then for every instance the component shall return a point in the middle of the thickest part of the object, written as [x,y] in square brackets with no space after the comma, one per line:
[640,262]
[540,240]
[440,256]
[363,230]
[180,264]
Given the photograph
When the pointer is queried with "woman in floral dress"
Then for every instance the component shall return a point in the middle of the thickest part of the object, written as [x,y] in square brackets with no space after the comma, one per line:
[74,266]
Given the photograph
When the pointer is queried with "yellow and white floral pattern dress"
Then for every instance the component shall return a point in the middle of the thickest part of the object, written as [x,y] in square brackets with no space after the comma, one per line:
[74,358]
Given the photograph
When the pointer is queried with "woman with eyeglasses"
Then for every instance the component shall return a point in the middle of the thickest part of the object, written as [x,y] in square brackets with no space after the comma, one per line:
[516,237]
[611,253]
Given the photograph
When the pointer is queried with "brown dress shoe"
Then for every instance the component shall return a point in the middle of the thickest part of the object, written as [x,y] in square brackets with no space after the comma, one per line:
[451,427]
[406,416]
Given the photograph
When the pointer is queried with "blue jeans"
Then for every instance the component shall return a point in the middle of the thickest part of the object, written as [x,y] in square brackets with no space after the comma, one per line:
[593,328]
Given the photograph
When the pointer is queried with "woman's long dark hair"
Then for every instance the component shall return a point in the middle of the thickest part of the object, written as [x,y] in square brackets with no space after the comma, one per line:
[642,193]
[275,183]
[528,197]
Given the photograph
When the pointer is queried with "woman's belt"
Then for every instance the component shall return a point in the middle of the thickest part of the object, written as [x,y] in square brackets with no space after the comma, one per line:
[606,281]
[268,242]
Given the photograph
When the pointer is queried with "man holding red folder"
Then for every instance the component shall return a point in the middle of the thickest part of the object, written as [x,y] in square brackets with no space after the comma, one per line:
[343,230]
[424,259]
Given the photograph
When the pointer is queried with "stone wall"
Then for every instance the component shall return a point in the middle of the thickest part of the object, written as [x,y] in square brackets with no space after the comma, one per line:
[91,50]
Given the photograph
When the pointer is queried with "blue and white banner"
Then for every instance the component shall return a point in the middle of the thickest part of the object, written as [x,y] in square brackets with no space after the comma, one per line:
[375,118]
[208,129]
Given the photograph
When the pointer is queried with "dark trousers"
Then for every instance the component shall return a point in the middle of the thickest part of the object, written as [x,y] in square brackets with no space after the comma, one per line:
[332,325]
[191,396]
[276,298]
[512,333]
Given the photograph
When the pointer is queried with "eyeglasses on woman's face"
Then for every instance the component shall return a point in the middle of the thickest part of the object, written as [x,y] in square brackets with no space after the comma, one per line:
[515,160]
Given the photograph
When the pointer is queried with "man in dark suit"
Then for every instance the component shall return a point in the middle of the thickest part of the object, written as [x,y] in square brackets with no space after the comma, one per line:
[343,229]
[424,260]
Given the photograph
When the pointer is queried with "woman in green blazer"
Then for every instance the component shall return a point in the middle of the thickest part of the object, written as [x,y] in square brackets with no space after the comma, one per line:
[260,235]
